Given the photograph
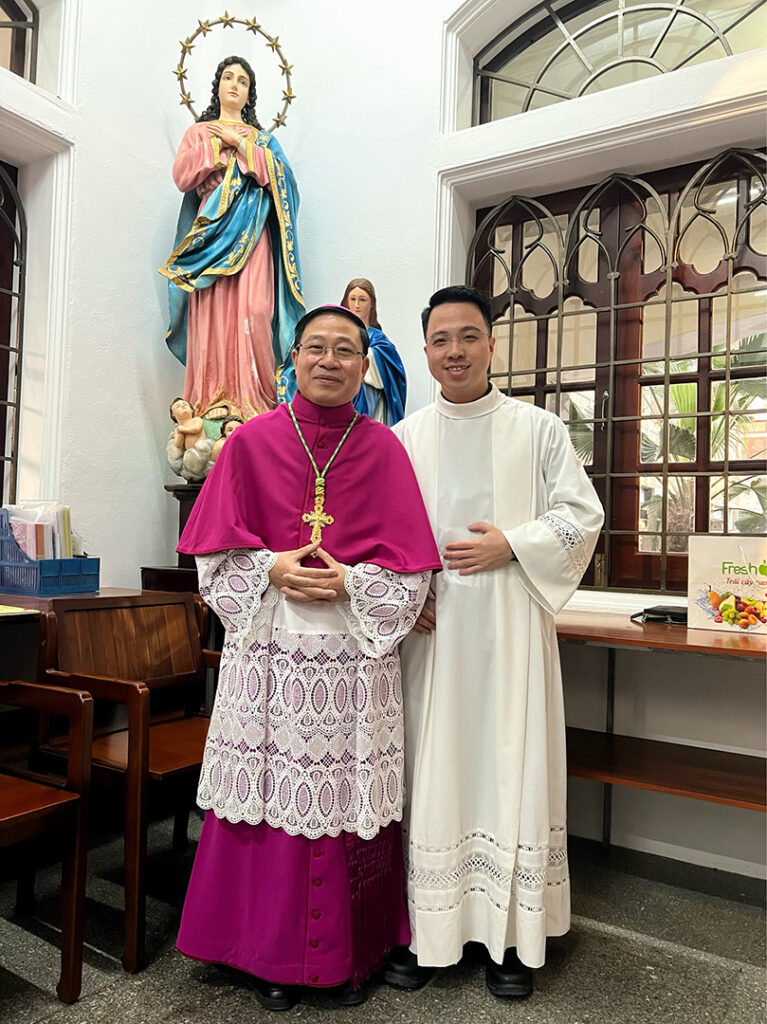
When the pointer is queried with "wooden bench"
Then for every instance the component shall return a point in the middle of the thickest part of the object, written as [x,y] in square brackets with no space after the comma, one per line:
[142,655]
[35,806]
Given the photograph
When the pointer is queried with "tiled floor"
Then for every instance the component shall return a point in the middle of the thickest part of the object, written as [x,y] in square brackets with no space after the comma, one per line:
[652,942]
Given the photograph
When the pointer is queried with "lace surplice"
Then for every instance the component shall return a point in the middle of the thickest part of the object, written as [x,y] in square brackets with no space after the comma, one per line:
[307,728]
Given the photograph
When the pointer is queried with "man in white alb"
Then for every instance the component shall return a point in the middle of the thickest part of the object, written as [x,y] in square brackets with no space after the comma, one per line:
[516,520]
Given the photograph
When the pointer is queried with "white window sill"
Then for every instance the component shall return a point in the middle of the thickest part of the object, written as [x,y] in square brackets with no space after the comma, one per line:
[605,602]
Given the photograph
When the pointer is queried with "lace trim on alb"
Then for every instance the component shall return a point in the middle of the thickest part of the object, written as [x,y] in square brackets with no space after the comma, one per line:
[384,605]
[307,730]
[538,868]
[468,838]
[570,537]
[234,584]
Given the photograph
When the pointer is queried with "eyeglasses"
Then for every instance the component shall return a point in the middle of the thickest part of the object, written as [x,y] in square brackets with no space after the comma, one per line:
[439,341]
[340,352]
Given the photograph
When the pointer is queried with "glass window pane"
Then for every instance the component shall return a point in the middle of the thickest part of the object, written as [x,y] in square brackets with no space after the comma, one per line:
[746,437]
[686,35]
[576,408]
[543,99]
[506,99]
[584,17]
[652,254]
[582,439]
[651,441]
[682,398]
[541,241]
[579,342]
[588,250]
[599,44]
[501,261]
[681,439]
[566,73]
[746,504]
[723,12]
[628,71]
[745,393]
[525,66]
[749,320]
[707,225]
[576,405]
[6,39]
[680,512]
[684,331]
[757,221]
[744,37]
[641,30]
[523,348]
[499,364]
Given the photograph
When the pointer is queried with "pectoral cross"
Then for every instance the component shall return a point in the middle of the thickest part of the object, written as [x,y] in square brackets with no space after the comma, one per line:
[318,517]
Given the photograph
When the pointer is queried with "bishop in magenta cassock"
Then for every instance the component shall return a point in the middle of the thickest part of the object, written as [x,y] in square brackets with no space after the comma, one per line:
[314,548]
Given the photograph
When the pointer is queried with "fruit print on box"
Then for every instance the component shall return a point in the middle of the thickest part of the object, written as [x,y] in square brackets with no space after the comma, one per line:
[728,583]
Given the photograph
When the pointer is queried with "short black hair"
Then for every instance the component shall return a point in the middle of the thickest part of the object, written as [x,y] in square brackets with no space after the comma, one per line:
[335,311]
[458,293]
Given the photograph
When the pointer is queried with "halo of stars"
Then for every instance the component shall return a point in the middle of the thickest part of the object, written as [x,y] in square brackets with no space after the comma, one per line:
[228,20]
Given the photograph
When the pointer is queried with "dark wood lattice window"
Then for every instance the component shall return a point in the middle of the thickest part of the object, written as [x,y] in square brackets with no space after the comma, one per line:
[635,309]
[19,22]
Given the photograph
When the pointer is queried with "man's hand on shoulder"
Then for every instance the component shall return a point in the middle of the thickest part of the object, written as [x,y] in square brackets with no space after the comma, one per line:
[309,586]
[490,551]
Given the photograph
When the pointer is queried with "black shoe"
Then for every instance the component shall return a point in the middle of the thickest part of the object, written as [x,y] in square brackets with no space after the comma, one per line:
[274,997]
[348,996]
[510,980]
[403,971]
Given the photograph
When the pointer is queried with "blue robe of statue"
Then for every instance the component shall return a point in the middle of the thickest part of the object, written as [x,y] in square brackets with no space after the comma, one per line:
[234,276]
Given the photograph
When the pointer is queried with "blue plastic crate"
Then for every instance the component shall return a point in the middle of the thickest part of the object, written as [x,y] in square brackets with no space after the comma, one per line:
[42,577]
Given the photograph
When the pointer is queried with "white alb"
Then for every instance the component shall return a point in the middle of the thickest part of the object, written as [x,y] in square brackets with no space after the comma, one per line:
[485,732]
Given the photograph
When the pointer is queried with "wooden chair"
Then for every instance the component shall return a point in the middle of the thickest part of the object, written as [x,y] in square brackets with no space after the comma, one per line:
[34,805]
[141,653]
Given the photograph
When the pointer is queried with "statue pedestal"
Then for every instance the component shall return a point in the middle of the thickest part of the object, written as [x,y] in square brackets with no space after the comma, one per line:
[186,496]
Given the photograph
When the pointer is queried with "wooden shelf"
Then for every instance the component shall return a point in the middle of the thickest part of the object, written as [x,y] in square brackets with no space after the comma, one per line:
[718,776]
[611,630]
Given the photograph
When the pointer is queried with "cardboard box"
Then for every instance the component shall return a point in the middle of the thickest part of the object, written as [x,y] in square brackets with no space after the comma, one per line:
[728,583]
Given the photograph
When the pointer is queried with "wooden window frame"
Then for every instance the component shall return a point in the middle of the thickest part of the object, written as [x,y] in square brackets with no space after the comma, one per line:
[618,297]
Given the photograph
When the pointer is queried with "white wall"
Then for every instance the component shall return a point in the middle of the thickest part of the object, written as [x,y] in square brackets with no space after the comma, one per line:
[390,177]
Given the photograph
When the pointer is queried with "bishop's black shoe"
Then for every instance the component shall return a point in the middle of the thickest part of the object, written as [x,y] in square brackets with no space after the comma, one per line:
[348,996]
[274,997]
[510,980]
[403,970]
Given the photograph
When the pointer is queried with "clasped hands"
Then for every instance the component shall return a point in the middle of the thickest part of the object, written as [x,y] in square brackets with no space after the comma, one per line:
[489,551]
[229,134]
[308,586]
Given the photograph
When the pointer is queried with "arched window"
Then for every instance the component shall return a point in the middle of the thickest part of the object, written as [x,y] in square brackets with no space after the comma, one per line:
[19,23]
[560,50]
[635,309]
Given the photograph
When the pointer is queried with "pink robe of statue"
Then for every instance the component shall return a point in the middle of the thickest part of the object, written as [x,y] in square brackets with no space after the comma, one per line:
[229,354]
[299,874]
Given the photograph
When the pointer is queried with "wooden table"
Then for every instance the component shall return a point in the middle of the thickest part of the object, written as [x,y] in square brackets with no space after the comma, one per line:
[682,770]
[20,649]
[45,603]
